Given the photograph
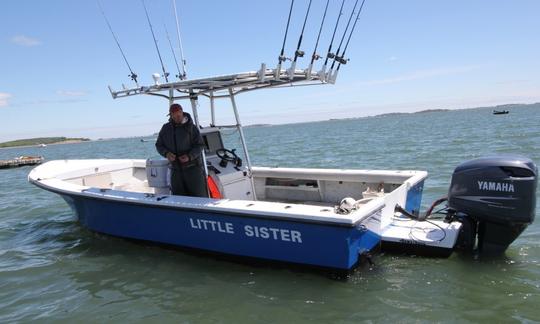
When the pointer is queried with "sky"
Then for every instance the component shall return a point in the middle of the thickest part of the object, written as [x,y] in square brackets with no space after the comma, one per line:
[58,58]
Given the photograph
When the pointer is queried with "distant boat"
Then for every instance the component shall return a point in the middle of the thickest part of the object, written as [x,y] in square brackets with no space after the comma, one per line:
[42,145]
[500,112]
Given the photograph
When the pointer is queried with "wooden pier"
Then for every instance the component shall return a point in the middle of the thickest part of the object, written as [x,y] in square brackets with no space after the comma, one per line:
[21,161]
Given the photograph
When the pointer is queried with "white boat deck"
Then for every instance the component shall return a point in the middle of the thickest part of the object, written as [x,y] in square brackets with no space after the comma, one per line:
[125,180]
[434,233]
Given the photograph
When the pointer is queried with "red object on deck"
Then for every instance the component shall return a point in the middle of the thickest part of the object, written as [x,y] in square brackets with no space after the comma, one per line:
[213,188]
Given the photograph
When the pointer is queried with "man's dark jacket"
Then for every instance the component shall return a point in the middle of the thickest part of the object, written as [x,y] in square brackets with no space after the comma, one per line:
[181,139]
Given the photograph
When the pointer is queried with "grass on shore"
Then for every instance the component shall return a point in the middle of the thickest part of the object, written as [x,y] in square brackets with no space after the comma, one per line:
[40,140]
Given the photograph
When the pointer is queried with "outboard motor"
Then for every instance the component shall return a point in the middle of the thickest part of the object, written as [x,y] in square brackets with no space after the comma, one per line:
[495,197]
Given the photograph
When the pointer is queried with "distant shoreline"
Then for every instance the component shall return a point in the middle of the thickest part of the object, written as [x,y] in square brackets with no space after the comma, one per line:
[256,125]
[56,143]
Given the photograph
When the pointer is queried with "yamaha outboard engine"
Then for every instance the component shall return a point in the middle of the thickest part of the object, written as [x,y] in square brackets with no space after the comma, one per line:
[495,197]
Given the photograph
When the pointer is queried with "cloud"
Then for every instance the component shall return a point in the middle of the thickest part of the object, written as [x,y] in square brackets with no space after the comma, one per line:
[422,74]
[67,93]
[4,99]
[25,41]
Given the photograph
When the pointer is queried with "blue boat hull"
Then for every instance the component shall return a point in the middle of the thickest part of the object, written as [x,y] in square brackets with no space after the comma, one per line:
[314,244]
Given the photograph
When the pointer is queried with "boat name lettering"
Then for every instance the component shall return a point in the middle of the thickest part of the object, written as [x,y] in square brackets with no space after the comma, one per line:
[495,186]
[262,232]
[211,225]
[273,233]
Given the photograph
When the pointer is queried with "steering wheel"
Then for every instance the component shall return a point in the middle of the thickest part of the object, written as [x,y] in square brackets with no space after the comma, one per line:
[224,155]
[228,156]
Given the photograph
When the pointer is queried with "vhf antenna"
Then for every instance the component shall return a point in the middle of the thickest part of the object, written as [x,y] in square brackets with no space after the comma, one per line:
[184,63]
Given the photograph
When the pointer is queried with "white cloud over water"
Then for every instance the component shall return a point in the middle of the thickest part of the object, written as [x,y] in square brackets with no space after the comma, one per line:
[26,41]
[4,99]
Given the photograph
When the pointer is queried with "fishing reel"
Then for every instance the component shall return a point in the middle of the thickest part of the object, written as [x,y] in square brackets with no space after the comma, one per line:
[133,77]
[299,53]
[341,59]
[283,58]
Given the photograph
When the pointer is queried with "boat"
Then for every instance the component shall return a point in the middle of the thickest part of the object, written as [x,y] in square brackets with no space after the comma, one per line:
[329,218]
[21,161]
[500,112]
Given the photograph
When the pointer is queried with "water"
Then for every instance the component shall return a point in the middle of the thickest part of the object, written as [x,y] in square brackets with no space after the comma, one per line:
[53,270]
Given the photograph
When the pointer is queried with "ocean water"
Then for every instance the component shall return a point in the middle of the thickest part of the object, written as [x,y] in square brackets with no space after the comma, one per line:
[53,270]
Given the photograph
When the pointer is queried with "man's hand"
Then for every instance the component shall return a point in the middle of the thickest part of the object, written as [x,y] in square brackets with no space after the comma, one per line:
[184,158]
[171,157]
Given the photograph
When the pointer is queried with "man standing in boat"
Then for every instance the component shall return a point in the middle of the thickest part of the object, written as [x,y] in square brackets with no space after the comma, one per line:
[181,143]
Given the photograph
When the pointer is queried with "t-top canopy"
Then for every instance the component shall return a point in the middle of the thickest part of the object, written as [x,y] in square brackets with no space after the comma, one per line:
[236,83]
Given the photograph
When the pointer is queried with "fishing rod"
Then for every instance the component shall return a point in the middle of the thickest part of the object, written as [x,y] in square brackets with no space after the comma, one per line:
[172,51]
[165,74]
[343,37]
[298,53]
[282,57]
[184,73]
[315,56]
[329,54]
[133,76]
[341,59]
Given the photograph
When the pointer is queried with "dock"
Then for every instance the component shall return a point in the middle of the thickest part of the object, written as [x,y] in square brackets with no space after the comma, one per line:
[21,161]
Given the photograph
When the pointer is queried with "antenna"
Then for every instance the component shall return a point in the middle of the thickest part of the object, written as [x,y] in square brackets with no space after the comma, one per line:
[184,72]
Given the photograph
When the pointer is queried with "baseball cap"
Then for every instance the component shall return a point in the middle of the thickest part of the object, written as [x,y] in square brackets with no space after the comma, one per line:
[174,108]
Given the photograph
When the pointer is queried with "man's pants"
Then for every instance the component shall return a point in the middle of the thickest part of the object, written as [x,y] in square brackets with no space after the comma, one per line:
[189,182]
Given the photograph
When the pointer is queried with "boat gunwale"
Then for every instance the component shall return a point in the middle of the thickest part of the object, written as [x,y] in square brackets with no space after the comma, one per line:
[92,196]
[147,199]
